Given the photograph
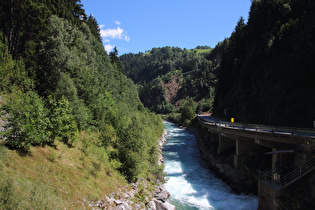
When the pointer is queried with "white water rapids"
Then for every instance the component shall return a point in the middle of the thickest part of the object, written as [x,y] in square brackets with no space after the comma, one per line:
[190,183]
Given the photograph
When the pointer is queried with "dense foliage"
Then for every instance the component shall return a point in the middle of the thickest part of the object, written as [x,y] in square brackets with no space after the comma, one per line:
[142,68]
[195,73]
[152,95]
[267,68]
[57,80]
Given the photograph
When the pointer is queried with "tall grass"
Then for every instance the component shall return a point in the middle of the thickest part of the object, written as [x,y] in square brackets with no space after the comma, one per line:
[56,178]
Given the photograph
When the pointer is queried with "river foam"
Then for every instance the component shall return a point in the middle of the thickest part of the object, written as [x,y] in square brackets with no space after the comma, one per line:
[190,183]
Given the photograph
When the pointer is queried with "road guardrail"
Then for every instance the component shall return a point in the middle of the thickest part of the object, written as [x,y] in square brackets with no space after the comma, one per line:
[305,132]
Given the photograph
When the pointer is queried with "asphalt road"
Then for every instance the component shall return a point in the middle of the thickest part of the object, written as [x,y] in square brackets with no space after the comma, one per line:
[303,132]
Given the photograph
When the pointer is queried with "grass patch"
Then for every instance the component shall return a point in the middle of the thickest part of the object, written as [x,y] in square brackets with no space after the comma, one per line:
[56,178]
[200,51]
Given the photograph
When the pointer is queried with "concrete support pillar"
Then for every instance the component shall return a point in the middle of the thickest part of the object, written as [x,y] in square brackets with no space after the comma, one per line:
[268,196]
[274,161]
[225,144]
[243,146]
[238,151]
[236,161]
[220,145]
[214,138]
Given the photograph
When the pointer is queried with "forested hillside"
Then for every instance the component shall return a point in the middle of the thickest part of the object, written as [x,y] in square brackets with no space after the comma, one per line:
[263,73]
[267,68]
[194,71]
[58,84]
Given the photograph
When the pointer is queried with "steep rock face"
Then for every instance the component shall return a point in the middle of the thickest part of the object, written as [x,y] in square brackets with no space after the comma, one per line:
[172,89]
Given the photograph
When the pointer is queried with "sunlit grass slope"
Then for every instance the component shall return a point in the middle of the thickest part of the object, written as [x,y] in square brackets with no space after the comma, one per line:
[56,178]
[200,51]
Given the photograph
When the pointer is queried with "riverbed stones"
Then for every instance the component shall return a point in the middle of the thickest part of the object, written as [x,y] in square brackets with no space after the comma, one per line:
[169,206]
[123,206]
[118,202]
[161,142]
[128,197]
[163,206]
[151,205]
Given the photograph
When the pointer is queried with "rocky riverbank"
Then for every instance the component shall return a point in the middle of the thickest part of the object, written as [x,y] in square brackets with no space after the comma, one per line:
[139,195]
[161,142]
[136,196]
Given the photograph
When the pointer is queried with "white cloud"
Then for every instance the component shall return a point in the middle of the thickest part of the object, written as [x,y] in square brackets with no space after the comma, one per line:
[116,33]
[127,38]
[106,40]
[113,33]
[109,47]
[117,22]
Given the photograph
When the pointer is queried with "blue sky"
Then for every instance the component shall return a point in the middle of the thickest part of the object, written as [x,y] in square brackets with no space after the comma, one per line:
[139,25]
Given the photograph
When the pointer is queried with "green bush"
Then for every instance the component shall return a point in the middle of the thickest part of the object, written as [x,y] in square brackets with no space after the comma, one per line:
[136,146]
[62,121]
[28,121]
[172,117]
[31,123]
[205,105]
[13,72]
[188,111]
[108,134]
[132,147]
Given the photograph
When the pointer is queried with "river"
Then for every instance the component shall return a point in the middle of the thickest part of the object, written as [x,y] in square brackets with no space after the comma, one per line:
[190,183]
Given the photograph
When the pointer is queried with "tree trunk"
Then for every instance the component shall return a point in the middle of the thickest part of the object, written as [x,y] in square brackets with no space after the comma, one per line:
[11,27]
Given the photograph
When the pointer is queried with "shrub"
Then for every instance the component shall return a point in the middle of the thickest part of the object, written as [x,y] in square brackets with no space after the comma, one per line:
[205,105]
[62,121]
[27,121]
[188,111]
[108,134]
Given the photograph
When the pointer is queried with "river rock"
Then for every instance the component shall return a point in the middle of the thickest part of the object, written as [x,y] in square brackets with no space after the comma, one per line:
[134,186]
[118,202]
[163,196]
[138,206]
[163,206]
[161,142]
[131,193]
[151,205]
[104,205]
[123,206]
[169,206]
[126,196]
[161,193]
[157,189]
